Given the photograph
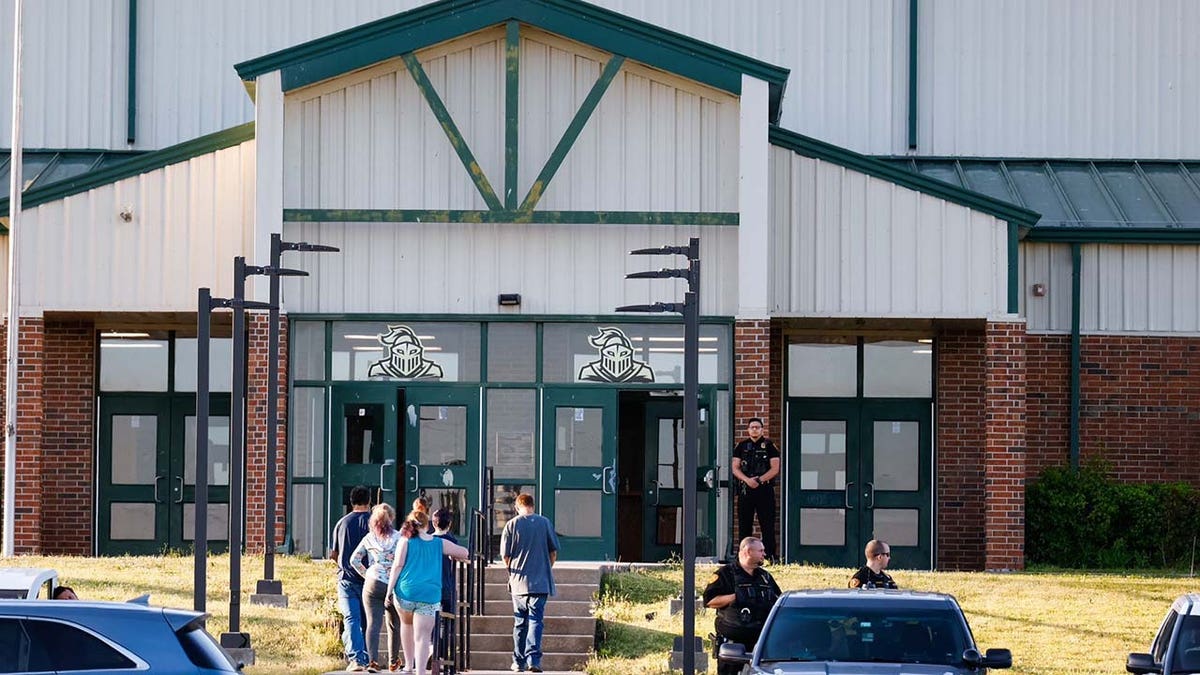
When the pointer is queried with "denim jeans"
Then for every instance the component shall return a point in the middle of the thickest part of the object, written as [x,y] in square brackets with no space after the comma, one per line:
[349,600]
[528,613]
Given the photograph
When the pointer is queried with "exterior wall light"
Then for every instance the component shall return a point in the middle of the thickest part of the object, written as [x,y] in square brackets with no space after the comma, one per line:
[1038,290]
[509,299]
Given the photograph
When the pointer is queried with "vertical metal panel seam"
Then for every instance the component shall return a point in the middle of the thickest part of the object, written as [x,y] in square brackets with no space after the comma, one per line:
[131,80]
[913,14]
[512,79]
[1014,261]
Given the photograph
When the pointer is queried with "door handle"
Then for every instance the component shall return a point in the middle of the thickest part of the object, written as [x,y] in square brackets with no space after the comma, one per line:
[656,485]
[157,500]
[872,504]
[710,477]
[386,464]
[180,479]
[848,486]
[416,477]
[604,480]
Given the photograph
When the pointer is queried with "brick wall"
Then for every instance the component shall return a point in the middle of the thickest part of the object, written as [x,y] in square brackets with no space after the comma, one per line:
[29,489]
[1004,454]
[960,446]
[757,381]
[1048,402]
[68,437]
[256,434]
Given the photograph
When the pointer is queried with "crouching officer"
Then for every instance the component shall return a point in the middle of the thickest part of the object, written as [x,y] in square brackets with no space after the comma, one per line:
[755,466]
[872,575]
[743,593]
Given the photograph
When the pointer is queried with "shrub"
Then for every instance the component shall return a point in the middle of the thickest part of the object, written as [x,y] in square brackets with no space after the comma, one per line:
[1087,519]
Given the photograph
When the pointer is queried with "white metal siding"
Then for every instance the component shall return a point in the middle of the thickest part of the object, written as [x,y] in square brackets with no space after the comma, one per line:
[1125,288]
[189,221]
[460,268]
[848,244]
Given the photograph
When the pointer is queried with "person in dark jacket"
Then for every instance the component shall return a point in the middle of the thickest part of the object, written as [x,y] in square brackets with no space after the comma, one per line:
[743,593]
[872,575]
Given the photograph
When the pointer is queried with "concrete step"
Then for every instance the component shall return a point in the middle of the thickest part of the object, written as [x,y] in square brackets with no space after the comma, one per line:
[497,574]
[499,591]
[481,660]
[570,644]
[553,608]
[555,625]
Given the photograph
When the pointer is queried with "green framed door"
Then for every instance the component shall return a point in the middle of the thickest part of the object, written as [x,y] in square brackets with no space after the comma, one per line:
[663,476]
[440,448]
[579,470]
[183,472]
[897,489]
[363,443]
[134,467]
[824,481]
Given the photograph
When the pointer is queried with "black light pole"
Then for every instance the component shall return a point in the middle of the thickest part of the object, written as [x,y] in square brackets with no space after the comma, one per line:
[690,309]
[270,590]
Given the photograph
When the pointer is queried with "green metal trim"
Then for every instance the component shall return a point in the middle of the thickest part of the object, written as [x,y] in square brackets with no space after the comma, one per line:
[1014,268]
[811,147]
[437,22]
[572,133]
[502,216]
[137,165]
[452,132]
[131,79]
[913,15]
[512,106]
[520,318]
[1076,348]
[1117,235]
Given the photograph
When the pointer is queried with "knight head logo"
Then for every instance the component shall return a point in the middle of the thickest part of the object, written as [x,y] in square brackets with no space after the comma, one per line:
[405,356]
[616,362]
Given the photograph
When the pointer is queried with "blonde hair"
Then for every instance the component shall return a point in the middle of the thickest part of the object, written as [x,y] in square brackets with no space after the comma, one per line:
[382,520]
[416,523]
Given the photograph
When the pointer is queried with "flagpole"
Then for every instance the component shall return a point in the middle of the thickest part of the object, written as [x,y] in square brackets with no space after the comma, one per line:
[15,185]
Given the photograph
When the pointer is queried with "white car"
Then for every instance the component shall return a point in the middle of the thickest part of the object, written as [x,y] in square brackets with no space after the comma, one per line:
[27,583]
[1176,647]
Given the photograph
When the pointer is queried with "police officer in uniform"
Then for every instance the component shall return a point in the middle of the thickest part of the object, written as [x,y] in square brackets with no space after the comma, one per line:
[743,593]
[872,575]
[755,466]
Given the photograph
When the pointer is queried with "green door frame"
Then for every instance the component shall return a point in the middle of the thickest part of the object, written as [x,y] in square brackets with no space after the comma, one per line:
[455,474]
[375,403]
[707,473]
[858,499]
[597,479]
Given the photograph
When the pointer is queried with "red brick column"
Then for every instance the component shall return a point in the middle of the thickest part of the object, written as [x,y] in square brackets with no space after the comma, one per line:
[256,433]
[756,381]
[28,499]
[67,437]
[1004,453]
[960,450]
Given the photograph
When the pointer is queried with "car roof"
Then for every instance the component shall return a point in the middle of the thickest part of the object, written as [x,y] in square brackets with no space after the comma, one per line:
[25,577]
[1187,604]
[64,609]
[873,597]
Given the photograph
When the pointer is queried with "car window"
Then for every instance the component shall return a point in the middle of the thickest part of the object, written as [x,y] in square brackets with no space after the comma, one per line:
[71,648]
[1185,658]
[1159,649]
[910,635]
[203,650]
[17,654]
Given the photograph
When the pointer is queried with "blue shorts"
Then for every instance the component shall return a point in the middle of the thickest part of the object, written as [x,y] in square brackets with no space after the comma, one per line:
[422,608]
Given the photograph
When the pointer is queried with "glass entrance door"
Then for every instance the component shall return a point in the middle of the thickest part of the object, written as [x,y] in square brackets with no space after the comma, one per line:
[664,454]
[579,470]
[861,470]
[147,469]
[440,447]
[363,431]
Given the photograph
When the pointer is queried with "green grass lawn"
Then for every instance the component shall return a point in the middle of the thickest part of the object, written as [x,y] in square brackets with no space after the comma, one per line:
[1054,622]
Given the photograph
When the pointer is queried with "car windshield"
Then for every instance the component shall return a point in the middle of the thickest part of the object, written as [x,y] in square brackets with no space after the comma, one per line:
[1186,655]
[829,633]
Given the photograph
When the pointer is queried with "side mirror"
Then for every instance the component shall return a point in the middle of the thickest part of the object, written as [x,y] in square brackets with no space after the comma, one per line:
[1142,663]
[733,652]
[972,658]
[997,658]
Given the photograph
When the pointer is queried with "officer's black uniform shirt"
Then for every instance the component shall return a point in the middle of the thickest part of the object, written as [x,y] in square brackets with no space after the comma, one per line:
[757,593]
[756,456]
[867,578]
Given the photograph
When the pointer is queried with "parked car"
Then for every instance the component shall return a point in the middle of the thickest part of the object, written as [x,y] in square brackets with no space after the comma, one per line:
[1176,646]
[48,636]
[27,583]
[866,631]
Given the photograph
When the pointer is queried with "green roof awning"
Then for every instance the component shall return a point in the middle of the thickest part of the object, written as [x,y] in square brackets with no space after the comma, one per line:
[43,167]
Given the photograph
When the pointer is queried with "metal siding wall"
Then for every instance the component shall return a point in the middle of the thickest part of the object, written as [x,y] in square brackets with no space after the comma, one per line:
[370,141]
[1048,264]
[848,244]
[460,268]
[1139,288]
[189,221]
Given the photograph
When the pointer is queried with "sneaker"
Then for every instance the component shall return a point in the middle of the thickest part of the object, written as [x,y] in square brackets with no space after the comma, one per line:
[517,668]
[356,668]
[373,667]
[535,669]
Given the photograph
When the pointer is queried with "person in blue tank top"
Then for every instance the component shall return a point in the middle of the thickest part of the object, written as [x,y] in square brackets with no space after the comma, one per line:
[416,577]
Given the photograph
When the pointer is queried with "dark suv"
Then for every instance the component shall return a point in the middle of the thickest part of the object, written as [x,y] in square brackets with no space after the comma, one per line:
[847,631]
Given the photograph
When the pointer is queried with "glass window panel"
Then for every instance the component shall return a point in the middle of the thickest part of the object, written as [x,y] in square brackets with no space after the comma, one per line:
[898,368]
[308,519]
[822,369]
[670,453]
[455,500]
[218,522]
[131,521]
[669,528]
[634,353]
[898,527]
[220,364]
[363,441]
[720,420]
[443,435]
[822,455]
[896,456]
[218,450]
[308,432]
[307,353]
[134,449]
[504,499]
[822,527]
[447,352]
[578,436]
[69,649]
[577,513]
[133,364]
[511,437]
[512,352]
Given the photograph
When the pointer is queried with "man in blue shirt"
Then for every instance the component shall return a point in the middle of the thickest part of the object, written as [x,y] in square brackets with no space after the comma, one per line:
[348,532]
[529,548]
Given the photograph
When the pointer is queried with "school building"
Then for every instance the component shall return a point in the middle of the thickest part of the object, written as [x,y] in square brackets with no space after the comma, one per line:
[944,245]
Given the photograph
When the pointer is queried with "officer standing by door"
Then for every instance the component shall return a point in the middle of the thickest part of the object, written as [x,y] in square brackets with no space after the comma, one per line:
[755,465]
